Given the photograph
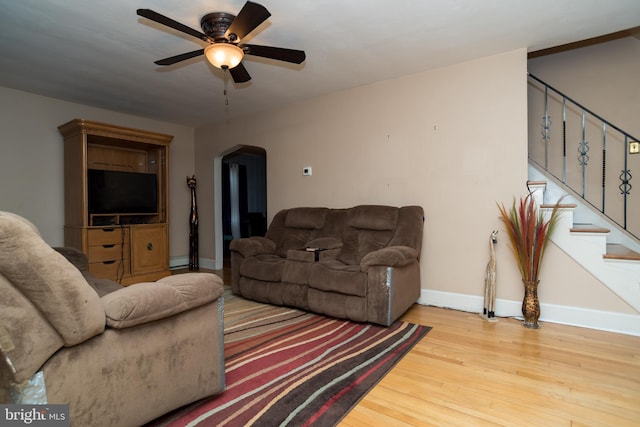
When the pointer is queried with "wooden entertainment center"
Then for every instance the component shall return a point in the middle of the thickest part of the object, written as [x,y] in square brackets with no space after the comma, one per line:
[128,246]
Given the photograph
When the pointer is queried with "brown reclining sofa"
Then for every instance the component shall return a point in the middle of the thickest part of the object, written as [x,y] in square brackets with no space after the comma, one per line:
[361,263]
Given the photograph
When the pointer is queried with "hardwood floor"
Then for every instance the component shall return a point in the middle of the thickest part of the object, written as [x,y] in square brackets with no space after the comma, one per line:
[469,372]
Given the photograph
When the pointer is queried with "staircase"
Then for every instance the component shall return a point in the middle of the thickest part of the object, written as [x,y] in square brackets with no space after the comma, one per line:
[608,253]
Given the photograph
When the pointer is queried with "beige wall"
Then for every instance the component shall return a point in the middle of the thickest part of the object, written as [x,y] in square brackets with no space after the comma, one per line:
[452,140]
[604,77]
[31,164]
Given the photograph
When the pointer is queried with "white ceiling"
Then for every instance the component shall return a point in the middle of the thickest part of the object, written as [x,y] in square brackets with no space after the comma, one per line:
[100,53]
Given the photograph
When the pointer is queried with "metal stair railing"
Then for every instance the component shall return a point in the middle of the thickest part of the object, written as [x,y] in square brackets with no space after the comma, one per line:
[589,174]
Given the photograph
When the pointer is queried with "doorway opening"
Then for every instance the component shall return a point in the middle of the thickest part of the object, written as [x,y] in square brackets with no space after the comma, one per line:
[244,195]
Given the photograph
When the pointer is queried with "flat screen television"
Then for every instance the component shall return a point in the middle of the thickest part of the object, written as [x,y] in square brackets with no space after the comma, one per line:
[122,192]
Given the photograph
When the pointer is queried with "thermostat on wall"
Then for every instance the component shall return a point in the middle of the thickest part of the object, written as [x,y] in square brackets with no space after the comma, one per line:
[306,171]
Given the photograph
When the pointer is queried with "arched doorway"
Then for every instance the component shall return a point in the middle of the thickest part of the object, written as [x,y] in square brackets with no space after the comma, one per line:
[243,194]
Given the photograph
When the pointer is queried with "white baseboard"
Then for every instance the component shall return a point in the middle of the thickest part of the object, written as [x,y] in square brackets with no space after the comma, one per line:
[208,263]
[628,324]
[183,262]
[178,262]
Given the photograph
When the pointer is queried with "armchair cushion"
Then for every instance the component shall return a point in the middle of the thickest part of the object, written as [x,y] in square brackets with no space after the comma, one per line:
[27,339]
[149,301]
[54,285]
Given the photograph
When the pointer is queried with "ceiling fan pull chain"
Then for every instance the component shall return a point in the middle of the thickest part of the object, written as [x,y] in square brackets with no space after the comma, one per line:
[226,96]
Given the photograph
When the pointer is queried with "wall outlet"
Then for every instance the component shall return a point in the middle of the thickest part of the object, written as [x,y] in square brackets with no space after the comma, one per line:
[306,171]
[634,147]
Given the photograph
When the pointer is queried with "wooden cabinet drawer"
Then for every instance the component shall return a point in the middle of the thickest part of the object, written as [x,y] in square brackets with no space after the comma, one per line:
[107,236]
[108,253]
[112,270]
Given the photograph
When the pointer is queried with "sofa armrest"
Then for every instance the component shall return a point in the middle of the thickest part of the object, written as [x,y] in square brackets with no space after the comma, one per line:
[391,256]
[149,301]
[251,246]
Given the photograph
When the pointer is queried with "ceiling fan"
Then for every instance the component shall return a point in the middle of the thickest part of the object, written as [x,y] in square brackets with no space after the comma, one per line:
[224,32]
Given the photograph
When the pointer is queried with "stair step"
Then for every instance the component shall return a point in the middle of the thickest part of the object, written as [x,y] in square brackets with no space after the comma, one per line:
[588,228]
[618,251]
[561,206]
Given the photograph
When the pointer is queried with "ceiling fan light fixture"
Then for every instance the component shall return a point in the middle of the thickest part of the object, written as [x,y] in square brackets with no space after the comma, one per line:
[223,55]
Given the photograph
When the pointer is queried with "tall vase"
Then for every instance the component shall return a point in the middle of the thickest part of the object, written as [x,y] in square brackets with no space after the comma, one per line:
[531,304]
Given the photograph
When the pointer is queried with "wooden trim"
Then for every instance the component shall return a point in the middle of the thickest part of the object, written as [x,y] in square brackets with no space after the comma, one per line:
[81,126]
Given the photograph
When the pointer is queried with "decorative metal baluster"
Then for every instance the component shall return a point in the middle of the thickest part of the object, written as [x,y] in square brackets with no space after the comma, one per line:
[546,134]
[583,158]
[564,139]
[625,178]
[604,164]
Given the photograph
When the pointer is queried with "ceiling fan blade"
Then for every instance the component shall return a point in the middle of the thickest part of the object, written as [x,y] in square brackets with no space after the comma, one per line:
[279,53]
[250,16]
[161,19]
[239,74]
[182,57]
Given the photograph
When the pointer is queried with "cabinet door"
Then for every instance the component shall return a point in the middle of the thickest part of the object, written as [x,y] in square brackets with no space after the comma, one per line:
[149,250]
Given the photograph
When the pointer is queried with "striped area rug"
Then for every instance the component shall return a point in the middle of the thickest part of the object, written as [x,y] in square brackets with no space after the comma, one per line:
[289,367]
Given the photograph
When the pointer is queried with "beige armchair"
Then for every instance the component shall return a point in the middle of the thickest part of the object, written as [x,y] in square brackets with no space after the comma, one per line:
[116,355]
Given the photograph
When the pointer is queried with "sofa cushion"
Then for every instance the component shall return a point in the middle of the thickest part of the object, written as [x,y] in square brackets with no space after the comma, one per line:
[369,228]
[409,230]
[291,229]
[49,281]
[149,301]
[335,223]
[373,217]
[338,305]
[300,226]
[309,218]
[261,291]
[335,276]
[263,267]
